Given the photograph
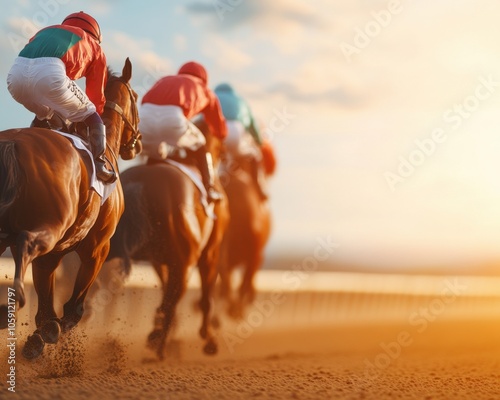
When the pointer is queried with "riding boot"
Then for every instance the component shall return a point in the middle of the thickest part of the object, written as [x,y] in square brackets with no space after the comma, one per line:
[205,164]
[258,177]
[40,123]
[97,137]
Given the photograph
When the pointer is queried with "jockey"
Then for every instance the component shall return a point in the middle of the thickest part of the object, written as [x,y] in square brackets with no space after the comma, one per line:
[244,138]
[166,111]
[42,79]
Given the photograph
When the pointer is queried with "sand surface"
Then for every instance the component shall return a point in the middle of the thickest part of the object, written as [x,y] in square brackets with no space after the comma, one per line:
[449,360]
[346,337]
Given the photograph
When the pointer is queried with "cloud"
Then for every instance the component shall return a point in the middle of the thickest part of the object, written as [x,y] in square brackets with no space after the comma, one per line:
[180,42]
[225,54]
[102,8]
[18,32]
[229,14]
[281,22]
[336,96]
[148,66]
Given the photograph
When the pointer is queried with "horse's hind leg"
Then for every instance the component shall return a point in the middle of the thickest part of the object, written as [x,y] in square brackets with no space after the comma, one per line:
[48,326]
[247,288]
[225,273]
[44,282]
[29,245]
[91,262]
[208,275]
[154,337]
[172,292]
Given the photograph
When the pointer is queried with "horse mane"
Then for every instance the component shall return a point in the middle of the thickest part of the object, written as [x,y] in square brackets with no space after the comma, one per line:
[112,76]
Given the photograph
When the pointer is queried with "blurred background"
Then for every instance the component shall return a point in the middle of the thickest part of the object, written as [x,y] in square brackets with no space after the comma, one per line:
[384,114]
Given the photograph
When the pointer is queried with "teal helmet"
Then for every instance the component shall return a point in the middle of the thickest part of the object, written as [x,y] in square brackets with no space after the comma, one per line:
[224,87]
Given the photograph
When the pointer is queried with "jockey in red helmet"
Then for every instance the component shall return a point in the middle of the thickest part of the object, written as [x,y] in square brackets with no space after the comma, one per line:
[42,79]
[86,22]
[165,112]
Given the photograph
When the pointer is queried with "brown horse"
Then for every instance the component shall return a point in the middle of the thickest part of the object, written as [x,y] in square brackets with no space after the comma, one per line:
[47,208]
[248,231]
[165,224]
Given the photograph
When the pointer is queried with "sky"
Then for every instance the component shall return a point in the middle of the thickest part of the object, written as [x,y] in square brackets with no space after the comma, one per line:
[385,115]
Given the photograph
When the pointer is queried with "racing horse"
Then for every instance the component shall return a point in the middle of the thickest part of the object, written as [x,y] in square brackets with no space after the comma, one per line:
[48,209]
[249,227]
[166,225]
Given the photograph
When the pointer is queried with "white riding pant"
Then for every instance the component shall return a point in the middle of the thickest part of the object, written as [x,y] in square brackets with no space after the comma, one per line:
[166,123]
[42,86]
[239,142]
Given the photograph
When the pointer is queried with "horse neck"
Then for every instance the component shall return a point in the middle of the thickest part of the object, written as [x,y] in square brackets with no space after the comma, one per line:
[114,128]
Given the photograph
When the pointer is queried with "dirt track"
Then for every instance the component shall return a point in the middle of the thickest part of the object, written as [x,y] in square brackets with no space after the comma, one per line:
[449,360]
[407,338]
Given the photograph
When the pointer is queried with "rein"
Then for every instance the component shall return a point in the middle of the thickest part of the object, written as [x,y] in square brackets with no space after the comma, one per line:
[133,126]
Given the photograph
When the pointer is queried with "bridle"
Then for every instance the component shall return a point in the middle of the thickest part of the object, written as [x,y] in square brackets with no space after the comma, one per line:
[133,126]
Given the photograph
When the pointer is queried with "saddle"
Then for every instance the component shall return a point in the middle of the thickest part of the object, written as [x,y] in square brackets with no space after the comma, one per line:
[77,134]
[187,165]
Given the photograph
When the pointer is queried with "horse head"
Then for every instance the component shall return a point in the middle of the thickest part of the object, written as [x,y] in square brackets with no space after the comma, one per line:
[121,115]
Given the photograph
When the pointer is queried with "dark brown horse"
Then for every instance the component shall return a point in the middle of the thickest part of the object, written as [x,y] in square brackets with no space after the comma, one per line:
[47,208]
[165,224]
[248,231]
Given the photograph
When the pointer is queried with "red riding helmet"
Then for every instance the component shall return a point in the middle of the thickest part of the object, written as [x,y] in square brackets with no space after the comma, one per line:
[85,22]
[194,69]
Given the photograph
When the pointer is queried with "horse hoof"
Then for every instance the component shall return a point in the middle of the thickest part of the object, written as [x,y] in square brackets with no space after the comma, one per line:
[51,331]
[66,325]
[33,347]
[160,354]
[3,316]
[210,348]
[154,340]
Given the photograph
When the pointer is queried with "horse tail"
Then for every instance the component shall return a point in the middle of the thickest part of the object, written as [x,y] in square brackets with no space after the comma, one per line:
[9,176]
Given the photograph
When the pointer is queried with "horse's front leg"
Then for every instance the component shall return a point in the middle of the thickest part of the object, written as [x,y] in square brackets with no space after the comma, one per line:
[172,293]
